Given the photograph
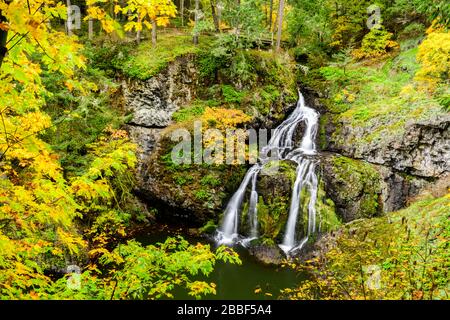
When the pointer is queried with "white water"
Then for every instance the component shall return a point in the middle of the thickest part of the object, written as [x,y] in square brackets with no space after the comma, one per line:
[281,147]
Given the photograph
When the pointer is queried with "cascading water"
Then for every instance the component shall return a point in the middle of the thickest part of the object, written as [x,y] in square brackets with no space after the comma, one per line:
[283,147]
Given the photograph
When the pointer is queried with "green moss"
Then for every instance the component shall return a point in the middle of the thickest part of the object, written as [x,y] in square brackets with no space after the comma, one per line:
[209,228]
[379,99]
[202,194]
[327,219]
[210,180]
[323,139]
[361,180]
[194,110]
[281,167]
[146,60]
[182,179]
[274,205]
[408,247]
[231,95]
[272,217]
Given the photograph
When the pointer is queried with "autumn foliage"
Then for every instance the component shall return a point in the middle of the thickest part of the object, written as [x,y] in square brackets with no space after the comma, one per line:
[49,219]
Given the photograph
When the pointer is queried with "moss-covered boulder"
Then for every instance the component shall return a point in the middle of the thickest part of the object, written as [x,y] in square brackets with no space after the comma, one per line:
[267,253]
[353,185]
[275,184]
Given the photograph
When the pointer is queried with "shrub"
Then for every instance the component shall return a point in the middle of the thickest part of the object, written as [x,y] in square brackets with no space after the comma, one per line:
[434,56]
[188,113]
[152,272]
[231,95]
[412,30]
[375,44]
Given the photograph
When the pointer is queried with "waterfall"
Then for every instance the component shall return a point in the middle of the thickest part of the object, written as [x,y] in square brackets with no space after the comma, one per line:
[281,146]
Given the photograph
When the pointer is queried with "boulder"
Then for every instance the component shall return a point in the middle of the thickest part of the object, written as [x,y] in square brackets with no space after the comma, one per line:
[267,254]
[353,185]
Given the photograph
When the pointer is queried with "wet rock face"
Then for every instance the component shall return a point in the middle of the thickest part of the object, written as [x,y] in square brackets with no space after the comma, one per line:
[146,140]
[423,150]
[152,102]
[397,188]
[276,179]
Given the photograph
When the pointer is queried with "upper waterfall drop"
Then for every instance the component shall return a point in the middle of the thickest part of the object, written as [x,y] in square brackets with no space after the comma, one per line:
[282,145]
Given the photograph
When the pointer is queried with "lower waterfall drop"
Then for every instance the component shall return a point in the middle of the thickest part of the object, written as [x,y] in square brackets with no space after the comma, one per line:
[283,145]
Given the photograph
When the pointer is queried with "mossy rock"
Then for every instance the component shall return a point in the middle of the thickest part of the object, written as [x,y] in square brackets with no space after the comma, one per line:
[274,186]
[354,186]
[268,254]
[209,228]
[327,218]
[199,191]
[276,179]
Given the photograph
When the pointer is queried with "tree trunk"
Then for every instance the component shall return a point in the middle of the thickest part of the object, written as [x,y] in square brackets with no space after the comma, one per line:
[138,36]
[182,12]
[90,28]
[154,33]
[138,33]
[238,28]
[195,39]
[272,33]
[280,23]
[69,18]
[219,15]
[3,39]
[270,15]
[214,15]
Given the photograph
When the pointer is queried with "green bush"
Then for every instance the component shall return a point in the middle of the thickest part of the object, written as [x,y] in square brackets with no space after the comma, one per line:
[196,109]
[210,180]
[412,30]
[108,56]
[231,95]
[376,43]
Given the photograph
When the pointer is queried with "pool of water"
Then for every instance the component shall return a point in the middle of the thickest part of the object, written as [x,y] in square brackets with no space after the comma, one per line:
[250,281]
